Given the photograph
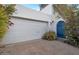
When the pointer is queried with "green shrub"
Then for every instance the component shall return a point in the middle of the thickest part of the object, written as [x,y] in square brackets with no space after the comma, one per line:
[49,36]
[5,12]
[3,22]
[3,28]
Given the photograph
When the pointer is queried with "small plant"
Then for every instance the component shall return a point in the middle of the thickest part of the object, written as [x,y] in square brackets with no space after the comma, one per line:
[49,36]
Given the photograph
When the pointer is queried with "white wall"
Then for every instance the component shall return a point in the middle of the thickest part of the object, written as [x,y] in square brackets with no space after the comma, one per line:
[53,16]
[24,30]
[47,9]
[22,11]
[54,25]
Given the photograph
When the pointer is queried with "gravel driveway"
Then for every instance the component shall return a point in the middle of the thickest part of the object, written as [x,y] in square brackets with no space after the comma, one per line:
[40,47]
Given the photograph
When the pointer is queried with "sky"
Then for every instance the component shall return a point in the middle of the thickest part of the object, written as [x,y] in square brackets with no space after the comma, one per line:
[32,6]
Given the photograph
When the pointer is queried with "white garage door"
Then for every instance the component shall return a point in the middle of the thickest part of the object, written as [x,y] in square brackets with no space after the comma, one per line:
[24,30]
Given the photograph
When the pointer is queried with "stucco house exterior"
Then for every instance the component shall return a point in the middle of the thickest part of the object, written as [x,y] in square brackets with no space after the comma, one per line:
[55,18]
[30,24]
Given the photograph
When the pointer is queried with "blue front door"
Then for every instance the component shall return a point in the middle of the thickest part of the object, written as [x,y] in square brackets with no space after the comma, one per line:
[60,29]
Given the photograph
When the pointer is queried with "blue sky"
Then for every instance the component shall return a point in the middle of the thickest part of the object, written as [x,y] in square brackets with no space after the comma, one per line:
[32,6]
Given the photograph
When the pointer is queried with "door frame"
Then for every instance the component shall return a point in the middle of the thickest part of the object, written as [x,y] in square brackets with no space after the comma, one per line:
[58,24]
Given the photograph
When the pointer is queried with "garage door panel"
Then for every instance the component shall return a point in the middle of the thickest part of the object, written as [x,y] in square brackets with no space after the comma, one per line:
[24,30]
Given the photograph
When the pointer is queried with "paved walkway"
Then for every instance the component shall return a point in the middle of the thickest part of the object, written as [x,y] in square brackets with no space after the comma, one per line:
[40,47]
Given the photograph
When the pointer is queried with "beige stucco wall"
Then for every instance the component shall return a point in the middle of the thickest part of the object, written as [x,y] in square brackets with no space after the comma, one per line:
[24,30]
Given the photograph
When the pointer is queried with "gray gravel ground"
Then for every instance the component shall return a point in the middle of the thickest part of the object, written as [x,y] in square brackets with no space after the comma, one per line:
[39,47]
